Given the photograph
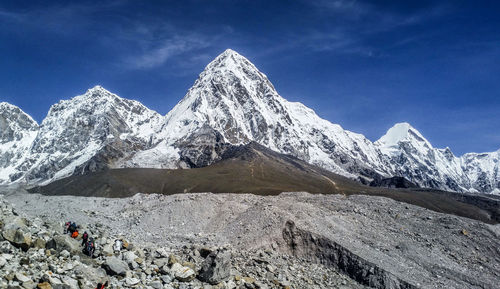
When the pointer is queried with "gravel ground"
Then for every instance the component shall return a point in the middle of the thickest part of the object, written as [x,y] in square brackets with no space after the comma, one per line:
[418,246]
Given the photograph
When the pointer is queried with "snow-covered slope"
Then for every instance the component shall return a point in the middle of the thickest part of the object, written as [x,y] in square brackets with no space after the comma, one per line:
[231,103]
[483,171]
[17,132]
[413,157]
[87,132]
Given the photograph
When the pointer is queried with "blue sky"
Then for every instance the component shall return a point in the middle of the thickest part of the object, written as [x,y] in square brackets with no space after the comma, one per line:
[362,64]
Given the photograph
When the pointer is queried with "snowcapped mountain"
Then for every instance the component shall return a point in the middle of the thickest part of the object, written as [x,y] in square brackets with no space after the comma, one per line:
[413,157]
[231,103]
[86,133]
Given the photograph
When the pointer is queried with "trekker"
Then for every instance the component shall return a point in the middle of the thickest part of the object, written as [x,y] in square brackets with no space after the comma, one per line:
[85,238]
[117,246]
[66,227]
[72,228]
[74,235]
[89,248]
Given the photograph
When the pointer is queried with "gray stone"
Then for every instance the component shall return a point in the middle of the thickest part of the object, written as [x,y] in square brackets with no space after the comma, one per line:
[17,236]
[107,250]
[64,253]
[64,242]
[215,268]
[156,285]
[115,266]
[130,257]
[166,279]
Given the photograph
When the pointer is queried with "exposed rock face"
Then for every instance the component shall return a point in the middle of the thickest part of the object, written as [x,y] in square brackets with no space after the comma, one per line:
[308,245]
[201,148]
[394,182]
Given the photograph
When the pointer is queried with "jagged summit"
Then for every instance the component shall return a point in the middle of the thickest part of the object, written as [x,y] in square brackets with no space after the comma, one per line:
[6,105]
[14,122]
[17,112]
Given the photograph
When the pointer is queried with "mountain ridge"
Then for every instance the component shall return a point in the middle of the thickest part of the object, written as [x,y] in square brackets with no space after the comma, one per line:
[230,104]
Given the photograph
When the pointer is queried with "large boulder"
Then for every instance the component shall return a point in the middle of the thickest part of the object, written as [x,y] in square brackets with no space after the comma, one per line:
[17,236]
[115,266]
[64,242]
[130,258]
[215,268]
[88,275]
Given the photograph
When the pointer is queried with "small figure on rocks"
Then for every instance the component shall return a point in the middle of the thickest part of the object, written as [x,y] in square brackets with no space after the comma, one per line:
[72,228]
[85,237]
[89,248]
[66,227]
[74,235]
[117,246]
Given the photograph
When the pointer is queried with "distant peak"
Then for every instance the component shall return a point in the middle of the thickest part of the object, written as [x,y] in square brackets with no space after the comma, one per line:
[97,88]
[402,131]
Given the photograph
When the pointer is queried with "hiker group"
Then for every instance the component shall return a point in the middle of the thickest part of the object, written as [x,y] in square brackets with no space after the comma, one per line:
[87,241]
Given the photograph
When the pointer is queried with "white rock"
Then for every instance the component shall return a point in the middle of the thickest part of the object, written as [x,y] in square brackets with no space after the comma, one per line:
[181,273]
[132,281]
[21,277]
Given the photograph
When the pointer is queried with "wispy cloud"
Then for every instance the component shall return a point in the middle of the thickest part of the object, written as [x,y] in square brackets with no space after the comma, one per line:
[352,22]
[176,45]
[138,42]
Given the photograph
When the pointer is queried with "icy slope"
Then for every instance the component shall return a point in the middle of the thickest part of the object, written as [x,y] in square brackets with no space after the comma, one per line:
[413,157]
[17,132]
[88,132]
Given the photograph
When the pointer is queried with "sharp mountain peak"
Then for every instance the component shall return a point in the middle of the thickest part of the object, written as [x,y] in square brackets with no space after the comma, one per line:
[402,131]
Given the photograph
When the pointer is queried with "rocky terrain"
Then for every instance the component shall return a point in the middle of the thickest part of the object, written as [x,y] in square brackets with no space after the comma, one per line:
[293,240]
[34,253]
[230,104]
